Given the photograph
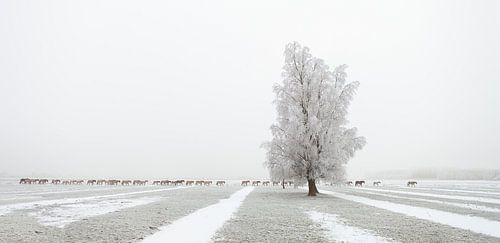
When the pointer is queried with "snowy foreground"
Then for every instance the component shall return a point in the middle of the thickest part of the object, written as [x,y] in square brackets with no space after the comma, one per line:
[434,211]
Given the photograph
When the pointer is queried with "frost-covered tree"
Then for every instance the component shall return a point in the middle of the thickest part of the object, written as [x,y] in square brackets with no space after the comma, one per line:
[310,138]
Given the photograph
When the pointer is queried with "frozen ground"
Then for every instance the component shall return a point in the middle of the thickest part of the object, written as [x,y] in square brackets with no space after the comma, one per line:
[434,211]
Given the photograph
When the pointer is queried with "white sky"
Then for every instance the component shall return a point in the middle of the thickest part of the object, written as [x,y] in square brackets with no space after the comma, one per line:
[184,88]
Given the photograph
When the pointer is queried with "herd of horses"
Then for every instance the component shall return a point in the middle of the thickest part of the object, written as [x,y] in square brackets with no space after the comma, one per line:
[113,182]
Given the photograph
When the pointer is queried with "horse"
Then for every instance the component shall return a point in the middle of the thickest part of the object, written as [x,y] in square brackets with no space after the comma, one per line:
[112,182]
[359,183]
[376,183]
[91,182]
[265,183]
[411,183]
[25,181]
[245,183]
[179,182]
[255,183]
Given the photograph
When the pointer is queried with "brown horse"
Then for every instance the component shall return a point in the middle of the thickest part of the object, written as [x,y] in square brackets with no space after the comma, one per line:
[411,183]
[359,183]
[25,181]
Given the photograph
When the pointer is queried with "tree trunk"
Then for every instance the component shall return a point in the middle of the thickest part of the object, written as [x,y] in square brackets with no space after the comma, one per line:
[283,183]
[312,187]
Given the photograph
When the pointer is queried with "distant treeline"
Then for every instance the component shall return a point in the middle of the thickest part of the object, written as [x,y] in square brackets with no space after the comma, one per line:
[438,174]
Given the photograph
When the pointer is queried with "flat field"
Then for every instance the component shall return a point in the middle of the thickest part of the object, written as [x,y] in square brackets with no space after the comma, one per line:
[433,211]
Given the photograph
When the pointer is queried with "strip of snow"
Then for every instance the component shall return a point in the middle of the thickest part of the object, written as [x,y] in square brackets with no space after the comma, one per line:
[464,198]
[201,225]
[17,198]
[466,222]
[339,231]
[460,205]
[455,190]
[67,213]
[4,209]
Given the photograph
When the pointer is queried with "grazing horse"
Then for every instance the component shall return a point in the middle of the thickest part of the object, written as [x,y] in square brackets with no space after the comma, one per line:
[376,183]
[199,183]
[43,181]
[359,183]
[207,183]
[91,182]
[165,182]
[66,182]
[411,183]
[101,182]
[220,183]
[178,182]
[255,183]
[245,183]
[112,182]
[56,181]
[348,183]
[156,182]
[265,183]
[139,182]
[77,182]
[25,181]
[126,182]
[189,183]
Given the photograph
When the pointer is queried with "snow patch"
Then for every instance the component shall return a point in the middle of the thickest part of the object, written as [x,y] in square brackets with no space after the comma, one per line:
[201,225]
[339,231]
[61,215]
[472,223]
[4,209]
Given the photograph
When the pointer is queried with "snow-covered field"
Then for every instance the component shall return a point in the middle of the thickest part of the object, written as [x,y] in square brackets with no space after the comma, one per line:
[434,211]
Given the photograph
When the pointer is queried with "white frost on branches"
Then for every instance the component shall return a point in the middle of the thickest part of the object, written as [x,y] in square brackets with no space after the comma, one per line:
[311,139]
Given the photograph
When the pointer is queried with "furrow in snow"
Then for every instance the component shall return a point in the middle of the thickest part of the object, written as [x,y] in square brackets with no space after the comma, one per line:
[463,198]
[472,223]
[460,205]
[201,225]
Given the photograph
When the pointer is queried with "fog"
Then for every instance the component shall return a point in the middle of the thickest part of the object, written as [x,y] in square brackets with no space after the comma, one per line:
[163,89]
